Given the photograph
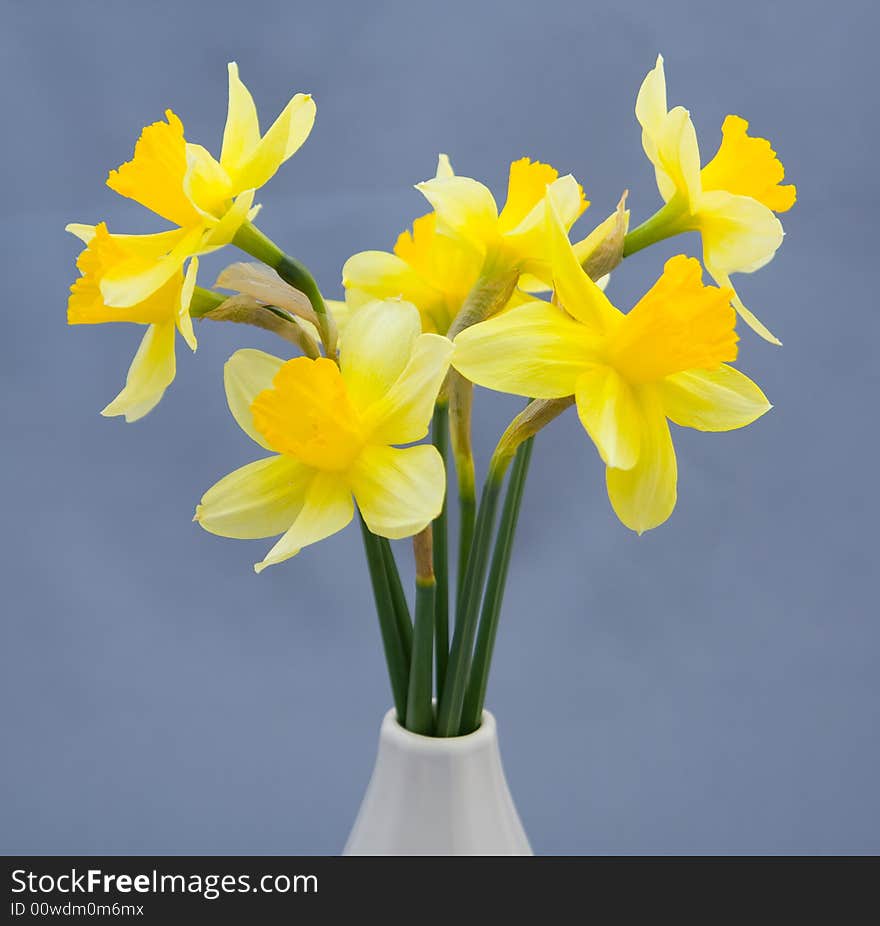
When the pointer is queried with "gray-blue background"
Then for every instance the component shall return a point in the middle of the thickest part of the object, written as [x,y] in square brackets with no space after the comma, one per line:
[710,687]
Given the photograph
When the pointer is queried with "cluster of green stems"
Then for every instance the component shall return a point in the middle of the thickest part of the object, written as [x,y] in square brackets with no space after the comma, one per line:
[439,687]
[438,657]
[444,696]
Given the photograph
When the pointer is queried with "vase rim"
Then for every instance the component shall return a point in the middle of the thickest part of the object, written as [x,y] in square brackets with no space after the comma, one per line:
[484,735]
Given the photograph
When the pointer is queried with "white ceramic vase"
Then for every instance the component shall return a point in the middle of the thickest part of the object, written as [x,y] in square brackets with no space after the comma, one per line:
[437,796]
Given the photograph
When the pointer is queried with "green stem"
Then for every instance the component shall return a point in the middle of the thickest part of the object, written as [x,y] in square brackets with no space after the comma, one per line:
[488,628]
[467,508]
[204,301]
[398,668]
[419,715]
[670,220]
[252,241]
[440,436]
[449,717]
[398,598]
[489,294]
[461,397]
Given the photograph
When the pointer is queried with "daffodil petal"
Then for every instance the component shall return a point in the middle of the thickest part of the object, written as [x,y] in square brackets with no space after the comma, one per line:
[127,285]
[245,375]
[150,374]
[465,208]
[206,183]
[444,167]
[679,155]
[341,312]
[122,255]
[529,283]
[327,508]
[399,491]
[403,414]
[302,117]
[568,200]
[529,238]
[651,102]
[749,317]
[526,188]
[579,295]
[379,340]
[234,217]
[754,322]
[283,139]
[154,246]
[534,350]
[652,112]
[184,320]
[386,276]
[261,499]
[644,496]
[668,138]
[441,272]
[119,291]
[85,233]
[241,134]
[610,413]
[712,400]
[382,270]
[740,235]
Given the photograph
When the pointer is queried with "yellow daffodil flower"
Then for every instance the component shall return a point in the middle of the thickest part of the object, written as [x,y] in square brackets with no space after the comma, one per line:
[162,311]
[514,237]
[666,359]
[207,199]
[332,430]
[731,201]
[432,271]
[140,278]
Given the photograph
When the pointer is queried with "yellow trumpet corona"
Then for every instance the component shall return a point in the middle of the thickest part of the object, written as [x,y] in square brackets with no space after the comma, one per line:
[731,201]
[139,278]
[431,270]
[163,311]
[332,430]
[668,358]
[436,265]
[514,236]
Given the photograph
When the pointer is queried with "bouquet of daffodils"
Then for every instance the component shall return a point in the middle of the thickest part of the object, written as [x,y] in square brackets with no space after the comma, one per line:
[508,299]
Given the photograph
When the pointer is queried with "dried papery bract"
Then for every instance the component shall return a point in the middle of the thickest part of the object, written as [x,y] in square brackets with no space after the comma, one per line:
[602,250]
[265,286]
[245,310]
